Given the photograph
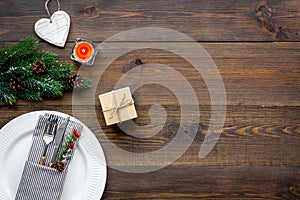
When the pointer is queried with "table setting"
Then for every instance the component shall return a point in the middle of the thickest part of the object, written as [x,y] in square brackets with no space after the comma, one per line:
[28,173]
[149,100]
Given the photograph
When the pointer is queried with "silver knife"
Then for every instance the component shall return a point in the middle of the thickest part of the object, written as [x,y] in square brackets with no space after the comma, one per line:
[58,139]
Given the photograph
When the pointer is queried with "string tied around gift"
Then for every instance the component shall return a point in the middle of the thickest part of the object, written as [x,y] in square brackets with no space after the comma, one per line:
[47,9]
[115,110]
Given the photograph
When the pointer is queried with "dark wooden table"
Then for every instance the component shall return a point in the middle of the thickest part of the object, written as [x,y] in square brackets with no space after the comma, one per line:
[256,46]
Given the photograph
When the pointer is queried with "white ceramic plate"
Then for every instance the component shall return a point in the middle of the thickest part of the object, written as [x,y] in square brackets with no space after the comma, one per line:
[86,177]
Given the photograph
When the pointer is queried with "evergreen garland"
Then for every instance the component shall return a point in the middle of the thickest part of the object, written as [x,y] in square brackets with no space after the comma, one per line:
[19,77]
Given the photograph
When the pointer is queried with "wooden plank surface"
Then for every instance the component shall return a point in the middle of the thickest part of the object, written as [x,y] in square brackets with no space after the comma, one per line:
[230,20]
[255,45]
[253,73]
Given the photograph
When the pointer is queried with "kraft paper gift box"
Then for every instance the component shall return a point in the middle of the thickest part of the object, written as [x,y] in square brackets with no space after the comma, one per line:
[117,106]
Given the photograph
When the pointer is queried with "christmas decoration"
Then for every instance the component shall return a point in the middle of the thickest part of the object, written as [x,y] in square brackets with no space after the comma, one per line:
[60,166]
[38,67]
[77,134]
[117,106]
[15,83]
[54,30]
[84,51]
[65,151]
[78,82]
[28,73]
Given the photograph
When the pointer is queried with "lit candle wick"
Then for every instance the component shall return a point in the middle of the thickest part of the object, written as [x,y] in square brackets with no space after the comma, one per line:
[84,51]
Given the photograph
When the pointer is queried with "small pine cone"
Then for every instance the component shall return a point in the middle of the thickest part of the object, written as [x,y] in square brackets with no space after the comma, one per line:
[38,67]
[60,166]
[16,83]
[76,81]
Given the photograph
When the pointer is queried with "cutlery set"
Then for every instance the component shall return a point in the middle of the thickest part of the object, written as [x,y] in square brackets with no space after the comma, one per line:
[53,132]
[54,141]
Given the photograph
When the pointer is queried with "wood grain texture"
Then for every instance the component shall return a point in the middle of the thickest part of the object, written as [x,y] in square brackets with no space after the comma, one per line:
[207,183]
[255,45]
[264,74]
[230,20]
[252,136]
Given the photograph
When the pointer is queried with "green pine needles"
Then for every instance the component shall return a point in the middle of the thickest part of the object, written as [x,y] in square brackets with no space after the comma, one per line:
[27,73]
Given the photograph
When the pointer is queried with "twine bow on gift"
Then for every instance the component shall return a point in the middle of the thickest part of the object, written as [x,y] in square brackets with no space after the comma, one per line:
[115,110]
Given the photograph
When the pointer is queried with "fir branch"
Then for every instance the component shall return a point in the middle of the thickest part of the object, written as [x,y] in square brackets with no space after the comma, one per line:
[86,83]
[67,147]
[6,93]
[46,57]
[69,139]
[29,95]
[60,72]
[46,86]
[26,46]
[18,51]
[67,87]
[20,71]
[20,76]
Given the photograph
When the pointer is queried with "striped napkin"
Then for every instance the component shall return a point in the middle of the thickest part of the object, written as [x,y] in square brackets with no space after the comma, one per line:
[41,182]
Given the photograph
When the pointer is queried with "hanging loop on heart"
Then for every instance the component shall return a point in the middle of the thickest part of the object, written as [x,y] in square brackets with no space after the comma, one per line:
[47,9]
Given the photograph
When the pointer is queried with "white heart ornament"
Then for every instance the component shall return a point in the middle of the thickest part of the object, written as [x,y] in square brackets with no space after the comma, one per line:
[55,31]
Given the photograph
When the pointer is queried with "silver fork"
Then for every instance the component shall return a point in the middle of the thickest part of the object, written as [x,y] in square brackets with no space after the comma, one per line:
[49,134]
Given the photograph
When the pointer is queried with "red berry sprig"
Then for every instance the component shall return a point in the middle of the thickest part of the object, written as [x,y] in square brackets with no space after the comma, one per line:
[66,148]
[76,133]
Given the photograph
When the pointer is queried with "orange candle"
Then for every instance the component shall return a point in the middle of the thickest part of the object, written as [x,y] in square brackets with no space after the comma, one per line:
[84,51]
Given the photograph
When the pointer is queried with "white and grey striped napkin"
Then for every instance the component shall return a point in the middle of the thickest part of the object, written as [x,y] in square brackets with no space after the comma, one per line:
[41,182]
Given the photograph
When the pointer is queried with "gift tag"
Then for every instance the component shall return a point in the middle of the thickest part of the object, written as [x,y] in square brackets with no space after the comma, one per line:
[54,29]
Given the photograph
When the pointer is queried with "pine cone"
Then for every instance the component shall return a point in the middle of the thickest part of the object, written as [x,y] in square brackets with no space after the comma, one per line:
[76,81]
[16,83]
[38,67]
[60,166]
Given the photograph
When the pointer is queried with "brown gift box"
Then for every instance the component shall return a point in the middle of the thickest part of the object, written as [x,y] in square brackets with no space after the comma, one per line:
[117,106]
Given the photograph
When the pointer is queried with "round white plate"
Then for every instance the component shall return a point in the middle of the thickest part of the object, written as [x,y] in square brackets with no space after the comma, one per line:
[86,177]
